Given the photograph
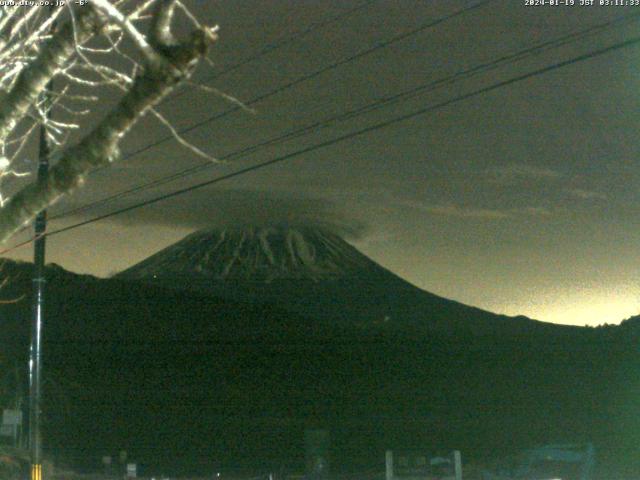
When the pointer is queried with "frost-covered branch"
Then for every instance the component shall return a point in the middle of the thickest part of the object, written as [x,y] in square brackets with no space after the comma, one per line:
[119,19]
[33,78]
[67,54]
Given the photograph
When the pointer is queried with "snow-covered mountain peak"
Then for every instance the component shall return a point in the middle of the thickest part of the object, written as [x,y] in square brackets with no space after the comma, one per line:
[256,253]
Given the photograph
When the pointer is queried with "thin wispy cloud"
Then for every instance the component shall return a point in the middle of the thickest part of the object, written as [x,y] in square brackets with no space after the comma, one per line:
[514,173]
[465,212]
[469,212]
[533,211]
[586,194]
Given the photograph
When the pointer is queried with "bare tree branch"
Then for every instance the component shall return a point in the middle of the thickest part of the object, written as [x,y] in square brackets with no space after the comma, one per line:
[173,63]
[139,39]
[34,77]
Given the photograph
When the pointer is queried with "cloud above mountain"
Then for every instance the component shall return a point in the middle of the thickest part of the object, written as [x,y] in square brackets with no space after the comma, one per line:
[240,207]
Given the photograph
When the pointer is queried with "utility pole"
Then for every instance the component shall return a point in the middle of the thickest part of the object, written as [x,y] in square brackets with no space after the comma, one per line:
[39,281]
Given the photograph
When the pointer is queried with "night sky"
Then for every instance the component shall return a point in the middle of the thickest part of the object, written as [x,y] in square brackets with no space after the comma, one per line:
[519,200]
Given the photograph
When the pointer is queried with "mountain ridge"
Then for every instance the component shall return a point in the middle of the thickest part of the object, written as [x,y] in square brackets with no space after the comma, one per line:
[313,272]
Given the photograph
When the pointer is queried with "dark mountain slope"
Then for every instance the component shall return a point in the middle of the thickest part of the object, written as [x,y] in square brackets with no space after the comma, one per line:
[188,382]
[315,273]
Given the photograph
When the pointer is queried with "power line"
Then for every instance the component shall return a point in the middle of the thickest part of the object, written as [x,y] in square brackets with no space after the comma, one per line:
[380,103]
[357,133]
[506,59]
[286,41]
[278,44]
[310,76]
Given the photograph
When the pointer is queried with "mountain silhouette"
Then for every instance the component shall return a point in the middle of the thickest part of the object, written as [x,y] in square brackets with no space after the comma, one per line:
[314,272]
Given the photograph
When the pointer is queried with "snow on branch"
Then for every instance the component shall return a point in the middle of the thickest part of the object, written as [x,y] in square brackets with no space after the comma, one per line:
[165,62]
[35,75]
[117,17]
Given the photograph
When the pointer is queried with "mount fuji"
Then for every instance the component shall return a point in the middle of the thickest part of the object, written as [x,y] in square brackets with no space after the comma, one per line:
[309,270]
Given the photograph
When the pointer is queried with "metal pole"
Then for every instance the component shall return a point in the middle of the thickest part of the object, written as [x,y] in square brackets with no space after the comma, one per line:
[35,354]
[388,465]
[457,464]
